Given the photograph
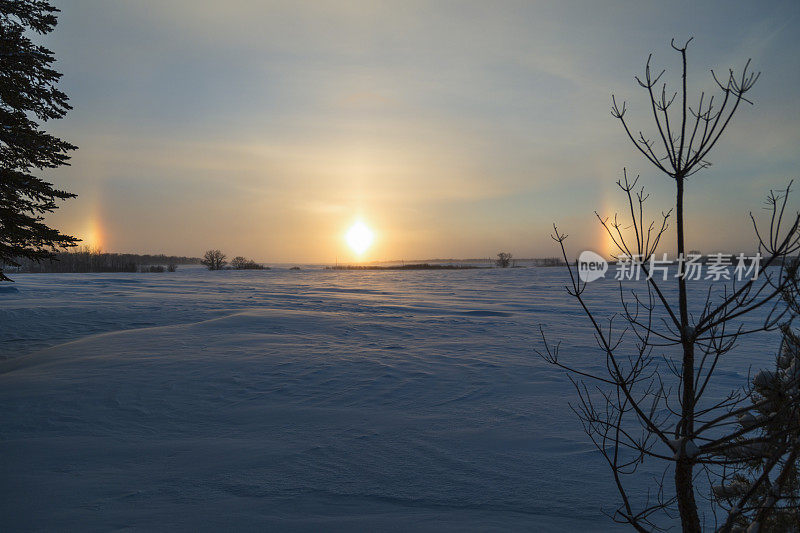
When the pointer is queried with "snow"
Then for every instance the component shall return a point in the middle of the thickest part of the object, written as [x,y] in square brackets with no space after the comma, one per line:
[300,400]
[682,446]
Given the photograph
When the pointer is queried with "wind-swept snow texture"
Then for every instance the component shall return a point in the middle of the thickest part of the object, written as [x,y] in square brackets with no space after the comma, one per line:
[304,401]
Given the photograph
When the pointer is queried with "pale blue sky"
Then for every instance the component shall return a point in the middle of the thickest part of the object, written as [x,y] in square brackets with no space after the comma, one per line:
[453,129]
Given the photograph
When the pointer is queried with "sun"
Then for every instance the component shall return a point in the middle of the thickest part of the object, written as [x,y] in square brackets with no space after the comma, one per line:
[359,237]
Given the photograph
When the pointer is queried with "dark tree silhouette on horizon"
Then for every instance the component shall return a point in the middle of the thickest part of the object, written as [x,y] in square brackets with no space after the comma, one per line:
[28,93]
[214,260]
[660,353]
[503,259]
[242,263]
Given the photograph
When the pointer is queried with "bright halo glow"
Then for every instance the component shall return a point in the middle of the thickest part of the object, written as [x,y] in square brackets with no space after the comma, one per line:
[359,237]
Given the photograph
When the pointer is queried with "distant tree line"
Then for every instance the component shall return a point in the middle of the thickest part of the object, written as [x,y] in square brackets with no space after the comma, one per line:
[548,262]
[216,260]
[505,260]
[242,263]
[89,260]
[414,266]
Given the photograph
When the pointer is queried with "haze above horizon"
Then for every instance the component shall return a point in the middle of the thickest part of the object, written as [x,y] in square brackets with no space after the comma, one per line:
[449,129]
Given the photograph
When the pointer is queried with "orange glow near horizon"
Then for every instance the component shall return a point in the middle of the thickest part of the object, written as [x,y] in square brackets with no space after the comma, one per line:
[93,236]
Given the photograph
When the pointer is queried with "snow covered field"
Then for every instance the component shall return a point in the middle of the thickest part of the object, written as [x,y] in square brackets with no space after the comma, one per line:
[298,400]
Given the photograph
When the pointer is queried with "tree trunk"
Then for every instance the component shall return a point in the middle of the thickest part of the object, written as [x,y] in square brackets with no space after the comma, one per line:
[684,486]
[684,491]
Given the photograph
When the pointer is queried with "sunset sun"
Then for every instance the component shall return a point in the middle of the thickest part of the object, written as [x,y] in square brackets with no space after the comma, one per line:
[359,237]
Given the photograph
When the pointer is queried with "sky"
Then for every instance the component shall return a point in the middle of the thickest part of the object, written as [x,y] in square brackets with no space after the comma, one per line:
[449,129]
